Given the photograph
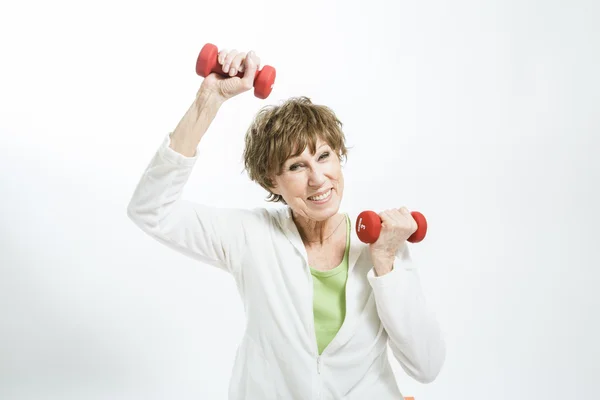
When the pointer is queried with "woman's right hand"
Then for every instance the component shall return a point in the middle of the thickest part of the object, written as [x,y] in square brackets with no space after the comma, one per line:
[229,86]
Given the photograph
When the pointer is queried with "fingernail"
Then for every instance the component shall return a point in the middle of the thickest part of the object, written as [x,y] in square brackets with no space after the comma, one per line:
[225,67]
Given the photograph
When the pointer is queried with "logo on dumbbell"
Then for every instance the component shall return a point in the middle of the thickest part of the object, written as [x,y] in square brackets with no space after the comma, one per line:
[360,225]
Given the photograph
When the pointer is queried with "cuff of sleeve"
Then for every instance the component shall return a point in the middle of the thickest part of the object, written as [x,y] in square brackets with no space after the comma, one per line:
[174,157]
[392,278]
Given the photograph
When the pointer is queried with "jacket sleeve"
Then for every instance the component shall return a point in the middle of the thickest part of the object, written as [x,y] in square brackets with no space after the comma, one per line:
[415,336]
[215,236]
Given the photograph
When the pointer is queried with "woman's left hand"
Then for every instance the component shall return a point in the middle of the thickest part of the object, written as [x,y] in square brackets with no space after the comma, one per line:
[397,225]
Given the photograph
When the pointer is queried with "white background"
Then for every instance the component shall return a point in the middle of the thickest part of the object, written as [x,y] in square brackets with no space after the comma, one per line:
[482,115]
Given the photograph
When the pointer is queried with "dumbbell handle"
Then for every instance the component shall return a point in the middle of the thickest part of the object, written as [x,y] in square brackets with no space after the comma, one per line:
[368,227]
[218,69]
[207,63]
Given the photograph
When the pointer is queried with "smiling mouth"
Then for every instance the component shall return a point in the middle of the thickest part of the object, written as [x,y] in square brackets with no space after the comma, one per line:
[321,197]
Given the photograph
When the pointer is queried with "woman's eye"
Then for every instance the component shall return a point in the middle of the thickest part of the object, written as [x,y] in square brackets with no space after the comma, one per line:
[294,167]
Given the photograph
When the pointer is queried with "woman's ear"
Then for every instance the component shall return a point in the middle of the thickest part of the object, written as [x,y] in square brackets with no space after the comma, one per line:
[273,187]
[274,190]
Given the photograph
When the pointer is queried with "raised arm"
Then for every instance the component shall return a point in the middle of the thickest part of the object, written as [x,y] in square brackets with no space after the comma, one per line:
[415,335]
[212,235]
[213,92]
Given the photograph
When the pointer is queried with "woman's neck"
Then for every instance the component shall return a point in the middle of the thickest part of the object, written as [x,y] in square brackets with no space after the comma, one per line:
[319,232]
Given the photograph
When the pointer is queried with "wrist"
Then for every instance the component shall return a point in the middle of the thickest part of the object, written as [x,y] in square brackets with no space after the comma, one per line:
[208,98]
[383,264]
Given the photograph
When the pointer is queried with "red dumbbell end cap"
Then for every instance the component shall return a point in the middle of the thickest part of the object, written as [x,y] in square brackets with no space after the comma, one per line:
[263,84]
[421,231]
[368,226]
[206,59]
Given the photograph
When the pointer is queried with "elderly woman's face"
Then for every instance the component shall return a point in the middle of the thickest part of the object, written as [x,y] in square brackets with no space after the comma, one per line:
[312,184]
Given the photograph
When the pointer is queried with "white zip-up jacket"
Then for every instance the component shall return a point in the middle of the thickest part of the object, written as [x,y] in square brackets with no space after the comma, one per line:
[261,248]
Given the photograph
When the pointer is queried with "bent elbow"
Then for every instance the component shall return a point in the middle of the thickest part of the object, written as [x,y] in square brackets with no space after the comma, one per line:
[432,368]
[423,366]
[427,376]
[132,214]
[142,219]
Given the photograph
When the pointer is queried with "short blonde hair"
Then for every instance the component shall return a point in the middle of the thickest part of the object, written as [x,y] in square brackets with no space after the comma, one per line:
[280,132]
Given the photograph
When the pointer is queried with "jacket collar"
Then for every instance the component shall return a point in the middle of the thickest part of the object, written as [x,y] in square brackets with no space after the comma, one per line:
[284,218]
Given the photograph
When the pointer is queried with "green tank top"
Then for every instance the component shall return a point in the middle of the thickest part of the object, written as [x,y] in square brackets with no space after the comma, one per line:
[329,300]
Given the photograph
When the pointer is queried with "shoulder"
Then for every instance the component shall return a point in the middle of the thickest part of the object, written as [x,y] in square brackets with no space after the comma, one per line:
[264,216]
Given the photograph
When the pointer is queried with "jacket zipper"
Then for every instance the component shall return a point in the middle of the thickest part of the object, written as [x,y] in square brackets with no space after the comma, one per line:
[314,334]
[319,365]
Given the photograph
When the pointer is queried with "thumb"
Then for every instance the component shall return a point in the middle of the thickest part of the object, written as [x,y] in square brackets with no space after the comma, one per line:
[250,68]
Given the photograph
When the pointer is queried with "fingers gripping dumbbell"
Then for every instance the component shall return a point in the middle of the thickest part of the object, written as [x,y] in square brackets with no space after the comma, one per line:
[368,227]
[208,62]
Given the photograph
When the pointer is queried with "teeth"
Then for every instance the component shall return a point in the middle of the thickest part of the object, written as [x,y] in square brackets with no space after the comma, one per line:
[320,197]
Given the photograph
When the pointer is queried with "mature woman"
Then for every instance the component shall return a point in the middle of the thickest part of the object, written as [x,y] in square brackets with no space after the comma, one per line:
[321,306]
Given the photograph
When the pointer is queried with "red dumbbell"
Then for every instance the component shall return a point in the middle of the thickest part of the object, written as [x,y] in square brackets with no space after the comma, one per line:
[368,227]
[208,62]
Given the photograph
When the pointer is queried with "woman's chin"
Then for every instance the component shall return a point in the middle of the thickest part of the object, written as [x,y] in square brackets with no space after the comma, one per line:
[322,210]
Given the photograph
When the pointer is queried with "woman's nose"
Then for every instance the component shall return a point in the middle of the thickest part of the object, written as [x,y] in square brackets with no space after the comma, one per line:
[316,176]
